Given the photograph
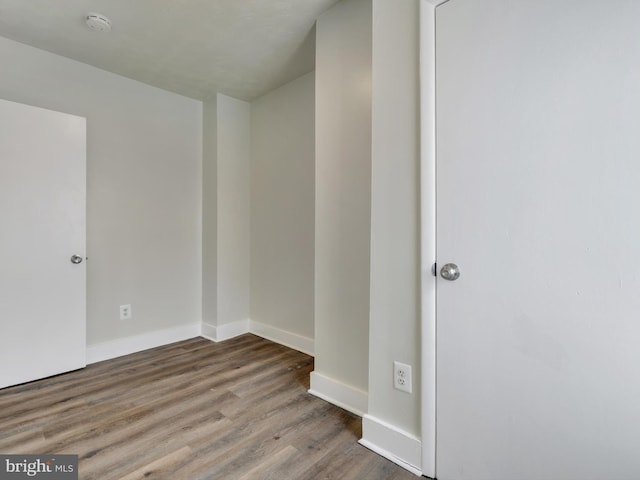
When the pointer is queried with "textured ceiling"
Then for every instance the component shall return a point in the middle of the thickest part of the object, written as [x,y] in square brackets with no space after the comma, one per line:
[242,48]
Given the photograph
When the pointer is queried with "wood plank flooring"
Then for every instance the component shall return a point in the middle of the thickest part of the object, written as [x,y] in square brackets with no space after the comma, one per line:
[192,410]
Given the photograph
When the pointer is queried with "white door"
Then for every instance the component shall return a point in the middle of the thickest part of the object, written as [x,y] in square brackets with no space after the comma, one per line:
[42,221]
[538,203]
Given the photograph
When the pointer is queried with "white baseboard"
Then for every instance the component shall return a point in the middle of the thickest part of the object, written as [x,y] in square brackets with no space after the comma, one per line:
[340,394]
[283,337]
[226,331]
[137,343]
[392,443]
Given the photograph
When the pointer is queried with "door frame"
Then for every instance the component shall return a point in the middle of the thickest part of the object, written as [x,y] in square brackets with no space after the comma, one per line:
[428,257]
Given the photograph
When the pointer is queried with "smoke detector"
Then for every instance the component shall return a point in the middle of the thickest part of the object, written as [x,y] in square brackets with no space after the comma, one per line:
[98,22]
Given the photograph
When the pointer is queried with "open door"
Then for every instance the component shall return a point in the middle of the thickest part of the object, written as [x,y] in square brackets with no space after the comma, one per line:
[538,191]
[42,244]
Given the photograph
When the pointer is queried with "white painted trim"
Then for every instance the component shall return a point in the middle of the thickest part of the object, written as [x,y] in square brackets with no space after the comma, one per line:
[428,229]
[226,331]
[208,331]
[338,393]
[137,343]
[392,443]
[283,337]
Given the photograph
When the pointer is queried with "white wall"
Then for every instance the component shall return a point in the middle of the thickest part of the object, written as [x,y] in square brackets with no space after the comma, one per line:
[144,188]
[282,207]
[395,248]
[233,215]
[343,193]
[393,421]
[210,212]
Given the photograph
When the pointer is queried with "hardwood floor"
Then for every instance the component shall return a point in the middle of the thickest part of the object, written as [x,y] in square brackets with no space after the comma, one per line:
[192,410]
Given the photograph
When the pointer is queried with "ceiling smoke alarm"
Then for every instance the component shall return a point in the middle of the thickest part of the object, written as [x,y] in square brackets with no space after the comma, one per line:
[98,22]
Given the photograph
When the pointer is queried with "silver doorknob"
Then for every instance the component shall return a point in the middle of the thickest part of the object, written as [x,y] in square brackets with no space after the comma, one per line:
[76,259]
[450,272]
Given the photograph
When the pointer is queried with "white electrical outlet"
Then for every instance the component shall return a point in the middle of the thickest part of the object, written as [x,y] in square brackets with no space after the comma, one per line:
[402,377]
[125,312]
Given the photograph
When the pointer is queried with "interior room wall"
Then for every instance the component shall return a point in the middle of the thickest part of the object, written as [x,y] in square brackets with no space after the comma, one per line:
[395,228]
[210,212]
[233,214]
[395,222]
[143,183]
[343,203]
[282,208]
[226,217]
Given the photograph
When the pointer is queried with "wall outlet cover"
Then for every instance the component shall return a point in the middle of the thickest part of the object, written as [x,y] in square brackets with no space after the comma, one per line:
[402,377]
[125,312]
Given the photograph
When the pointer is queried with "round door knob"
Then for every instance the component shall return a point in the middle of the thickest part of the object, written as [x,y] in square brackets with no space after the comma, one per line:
[450,272]
[76,259]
